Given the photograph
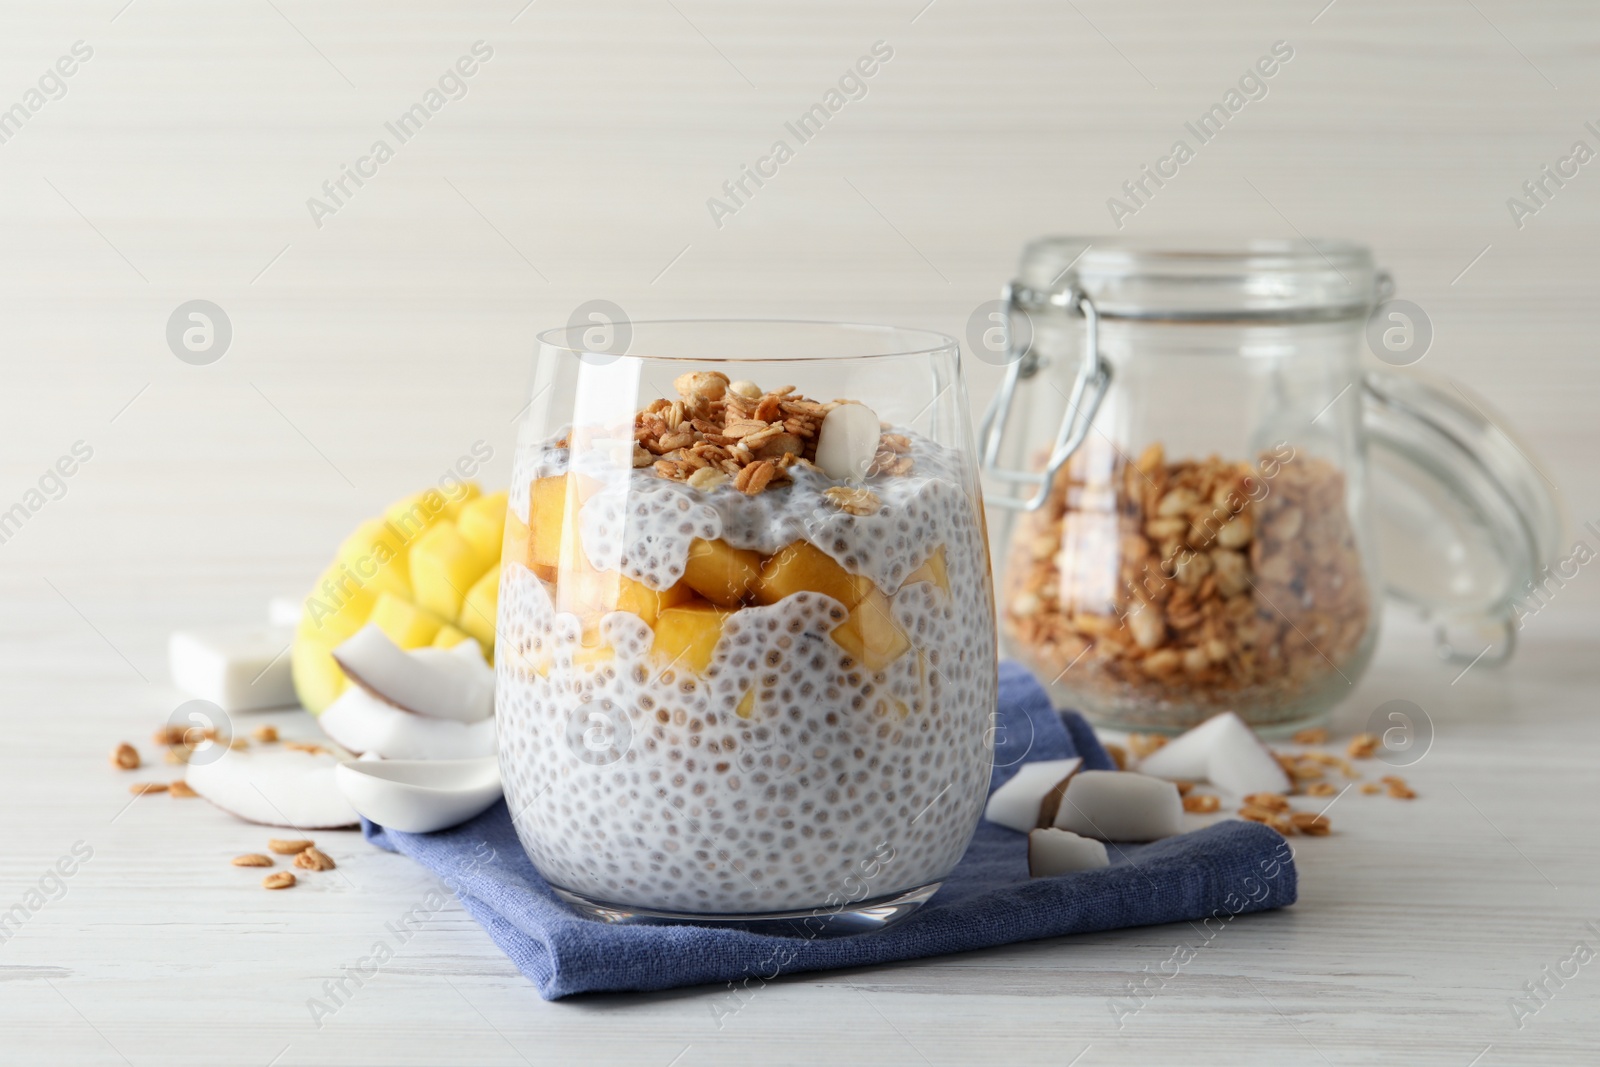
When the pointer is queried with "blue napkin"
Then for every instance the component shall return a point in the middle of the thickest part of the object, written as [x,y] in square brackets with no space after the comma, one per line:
[1213,874]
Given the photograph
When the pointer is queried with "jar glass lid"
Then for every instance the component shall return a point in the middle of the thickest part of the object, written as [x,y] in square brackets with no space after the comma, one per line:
[1271,280]
[1466,520]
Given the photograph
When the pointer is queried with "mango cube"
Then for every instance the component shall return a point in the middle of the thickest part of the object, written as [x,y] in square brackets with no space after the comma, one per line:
[871,635]
[933,570]
[514,546]
[479,608]
[687,635]
[721,573]
[443,567]
[376,554]
[804,567]
[448,637]
[414,515]
[482,522]
[458,497]
[406,624]
[547,510]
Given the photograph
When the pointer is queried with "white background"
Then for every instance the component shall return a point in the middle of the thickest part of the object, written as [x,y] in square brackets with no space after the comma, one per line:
[369,353]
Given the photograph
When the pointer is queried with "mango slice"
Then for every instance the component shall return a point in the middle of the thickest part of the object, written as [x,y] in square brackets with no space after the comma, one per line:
[802,567]
[687,635]
[721,573]
[871,635]
[443,567]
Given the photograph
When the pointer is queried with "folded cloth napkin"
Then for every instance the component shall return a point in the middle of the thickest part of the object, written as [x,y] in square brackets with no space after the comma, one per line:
[1212,874]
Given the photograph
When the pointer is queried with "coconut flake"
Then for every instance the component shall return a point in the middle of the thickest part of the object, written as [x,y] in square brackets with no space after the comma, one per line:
[1240,764]
[1120,806]
[455,684]
[847,441]
[276,785]
[365,723]
[1187,757]
[1031,796]
[1052,851]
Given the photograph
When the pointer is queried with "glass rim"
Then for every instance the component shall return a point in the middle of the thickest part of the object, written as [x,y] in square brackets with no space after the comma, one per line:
[559,338]
[1176,257]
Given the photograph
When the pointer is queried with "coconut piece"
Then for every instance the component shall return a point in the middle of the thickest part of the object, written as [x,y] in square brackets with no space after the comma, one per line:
[1240,764]
[276,786]
[1032,795]
[1052,851]
[1120,806]
[454,683]
[1188,756]
[237,668]
[847,440]
[365,723]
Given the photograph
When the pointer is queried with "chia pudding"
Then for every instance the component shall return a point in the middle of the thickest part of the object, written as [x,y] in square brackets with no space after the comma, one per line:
[741,693]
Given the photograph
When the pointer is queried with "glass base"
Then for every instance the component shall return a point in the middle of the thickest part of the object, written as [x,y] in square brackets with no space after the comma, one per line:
[860,917]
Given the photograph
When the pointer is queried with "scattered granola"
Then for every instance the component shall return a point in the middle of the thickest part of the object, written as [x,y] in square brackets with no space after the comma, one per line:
[1311,824]
[265,734]
[1267,801]
[303,746]
[170,734]
[1316,735]
[1371,789]
[252,859]
[1144,744]
[1322,789]
[139,789]
[288,847]
[1202,803]
[1174,590]
[1363,746]
[278,880]
[125,757]
[177,754]
[1401,791]
[313,859]
[180,788]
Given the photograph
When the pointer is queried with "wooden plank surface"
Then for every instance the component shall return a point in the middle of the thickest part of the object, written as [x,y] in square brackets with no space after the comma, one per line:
[370,352]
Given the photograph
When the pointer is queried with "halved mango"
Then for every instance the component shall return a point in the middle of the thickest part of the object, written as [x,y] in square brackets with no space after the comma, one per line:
[376,554]
[336,607]
[933,570]
[804,567]
[414,515]
[721,573]
[687,635]
[448,637]
[871,635]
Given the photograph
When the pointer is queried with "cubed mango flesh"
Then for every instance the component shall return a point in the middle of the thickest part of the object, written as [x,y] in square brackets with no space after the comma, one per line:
[721,573]
[804,567]
[449,637]
[479,608]
[687,635]
[414,515]
[933,570]
[336,607]
[458,497]
[376,554]
[871,635]
[547,510]
[482,522]
[406,624]
[444,566]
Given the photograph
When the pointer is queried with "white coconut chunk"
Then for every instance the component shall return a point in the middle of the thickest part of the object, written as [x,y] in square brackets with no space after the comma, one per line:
[847,440]
[276,785]
[1030,798]
[365,723]
[1240,764]
[237,668]
[1187,757]
[1120,806]
[453,683]
[1052,851]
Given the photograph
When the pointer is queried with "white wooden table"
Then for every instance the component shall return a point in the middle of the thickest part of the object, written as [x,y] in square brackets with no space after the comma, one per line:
[371,352]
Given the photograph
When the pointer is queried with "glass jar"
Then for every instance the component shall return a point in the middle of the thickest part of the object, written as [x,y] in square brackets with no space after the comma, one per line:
[748,650]
[1203,532]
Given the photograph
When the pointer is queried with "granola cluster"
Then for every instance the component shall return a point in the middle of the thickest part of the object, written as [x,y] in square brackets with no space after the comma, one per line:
[1162,592]
[720,431]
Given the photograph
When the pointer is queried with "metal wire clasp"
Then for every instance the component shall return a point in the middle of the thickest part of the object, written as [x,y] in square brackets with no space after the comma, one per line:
[1088,390]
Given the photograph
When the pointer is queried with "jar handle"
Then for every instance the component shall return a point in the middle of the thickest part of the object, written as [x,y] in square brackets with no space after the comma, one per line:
[1088,390]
